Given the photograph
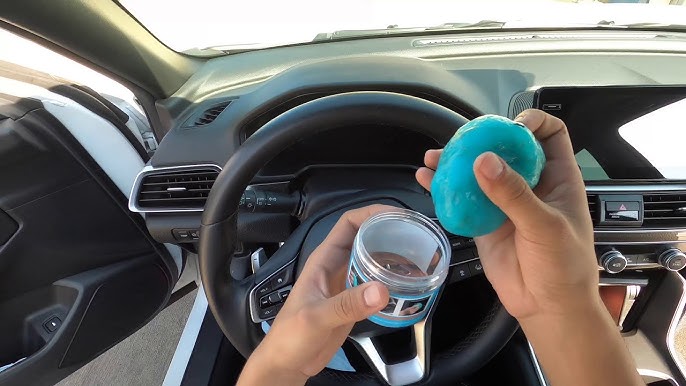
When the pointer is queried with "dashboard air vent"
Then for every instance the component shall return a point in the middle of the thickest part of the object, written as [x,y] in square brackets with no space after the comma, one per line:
[209,115]
[664,210]
[176,190]
[593,207]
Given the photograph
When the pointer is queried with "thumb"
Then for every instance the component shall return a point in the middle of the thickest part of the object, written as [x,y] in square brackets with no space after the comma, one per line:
[509,192]
[352,305]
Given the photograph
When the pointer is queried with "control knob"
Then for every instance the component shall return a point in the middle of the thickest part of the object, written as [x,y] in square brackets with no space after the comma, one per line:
[613,261]
[672,259]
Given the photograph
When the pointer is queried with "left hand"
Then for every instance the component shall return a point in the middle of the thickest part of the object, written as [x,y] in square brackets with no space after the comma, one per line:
[319,313]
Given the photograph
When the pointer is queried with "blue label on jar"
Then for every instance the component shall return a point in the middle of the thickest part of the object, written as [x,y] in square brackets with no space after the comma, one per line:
[401,310]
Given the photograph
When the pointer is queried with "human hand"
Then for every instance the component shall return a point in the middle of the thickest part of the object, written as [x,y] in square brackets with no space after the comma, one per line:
[542,260]
[320,312]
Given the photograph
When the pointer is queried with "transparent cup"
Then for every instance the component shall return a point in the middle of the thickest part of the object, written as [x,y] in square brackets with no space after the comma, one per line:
[407,252]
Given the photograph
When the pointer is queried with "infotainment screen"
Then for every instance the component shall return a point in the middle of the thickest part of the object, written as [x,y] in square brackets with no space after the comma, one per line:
[623,133]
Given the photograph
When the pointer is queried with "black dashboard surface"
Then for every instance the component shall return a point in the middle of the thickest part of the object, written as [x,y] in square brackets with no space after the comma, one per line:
[213,143]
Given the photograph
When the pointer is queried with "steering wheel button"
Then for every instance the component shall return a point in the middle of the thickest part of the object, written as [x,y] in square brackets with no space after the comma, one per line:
[267,313]
[264,302]
[282,278]
[284,294]
[264,289]
[458,243]
[475,267]
[274,298]
[460,272]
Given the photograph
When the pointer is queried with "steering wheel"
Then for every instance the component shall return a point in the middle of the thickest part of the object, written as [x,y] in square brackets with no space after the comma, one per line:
[234,300]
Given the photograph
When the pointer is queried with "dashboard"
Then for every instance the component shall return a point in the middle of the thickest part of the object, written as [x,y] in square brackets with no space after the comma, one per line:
[621,94]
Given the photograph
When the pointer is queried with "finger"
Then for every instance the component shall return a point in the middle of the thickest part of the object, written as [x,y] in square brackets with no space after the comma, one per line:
[501,267]
[350,306]
[431,158]
[550,131]
[508,190]
[424,177]
[561,166]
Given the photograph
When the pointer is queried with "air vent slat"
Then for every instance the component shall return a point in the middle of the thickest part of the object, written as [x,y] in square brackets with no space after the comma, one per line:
[664,210]
[159,191]
[176,190]
[209,115]
[166,200]
[179,183]
[593,207]
[197,174]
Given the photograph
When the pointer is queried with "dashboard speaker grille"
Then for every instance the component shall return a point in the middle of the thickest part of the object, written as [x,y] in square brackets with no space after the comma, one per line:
[520,102]
[664,210]
[174,190]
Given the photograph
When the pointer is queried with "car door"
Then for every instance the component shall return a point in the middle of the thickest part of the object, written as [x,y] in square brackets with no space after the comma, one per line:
[78,271]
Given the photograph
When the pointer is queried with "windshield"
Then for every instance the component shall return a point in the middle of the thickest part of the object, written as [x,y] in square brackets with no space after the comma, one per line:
[192,26]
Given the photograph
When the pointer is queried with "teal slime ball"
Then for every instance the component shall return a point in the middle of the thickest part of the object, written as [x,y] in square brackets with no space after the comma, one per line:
[462,208]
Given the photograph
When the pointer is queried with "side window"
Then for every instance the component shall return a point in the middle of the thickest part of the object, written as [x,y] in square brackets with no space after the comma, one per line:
[30,63]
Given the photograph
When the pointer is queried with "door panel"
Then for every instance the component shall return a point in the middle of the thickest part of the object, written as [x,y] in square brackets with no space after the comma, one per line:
[78,270]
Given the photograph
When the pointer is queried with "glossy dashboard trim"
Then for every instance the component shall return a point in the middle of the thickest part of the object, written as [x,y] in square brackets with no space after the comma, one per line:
[648,187]
[149,170]
[639,236]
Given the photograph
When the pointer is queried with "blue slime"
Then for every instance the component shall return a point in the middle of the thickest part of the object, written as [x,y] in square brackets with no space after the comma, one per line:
[462,208]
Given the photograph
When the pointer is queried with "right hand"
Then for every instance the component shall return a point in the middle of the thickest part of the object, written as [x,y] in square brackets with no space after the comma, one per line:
[541,261]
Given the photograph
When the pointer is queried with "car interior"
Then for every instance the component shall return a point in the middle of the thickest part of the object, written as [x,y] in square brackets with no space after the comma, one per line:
[247,159]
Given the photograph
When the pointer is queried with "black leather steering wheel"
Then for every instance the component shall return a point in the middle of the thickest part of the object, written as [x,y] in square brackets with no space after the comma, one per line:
[232,298]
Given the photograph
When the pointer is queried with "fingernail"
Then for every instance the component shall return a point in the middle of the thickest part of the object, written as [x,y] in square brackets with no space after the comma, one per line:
[490,165]
[372,296]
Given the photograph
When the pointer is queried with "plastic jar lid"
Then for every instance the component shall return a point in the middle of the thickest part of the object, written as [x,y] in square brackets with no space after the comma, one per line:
[404,250]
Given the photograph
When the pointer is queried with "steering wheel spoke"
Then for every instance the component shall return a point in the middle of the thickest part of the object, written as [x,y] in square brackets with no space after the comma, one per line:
[405,372]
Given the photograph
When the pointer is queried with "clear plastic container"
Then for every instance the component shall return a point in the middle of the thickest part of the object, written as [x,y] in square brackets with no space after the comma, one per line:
[407,252]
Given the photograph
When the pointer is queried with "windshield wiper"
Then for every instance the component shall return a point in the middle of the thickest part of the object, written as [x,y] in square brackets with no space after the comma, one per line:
[394,30]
